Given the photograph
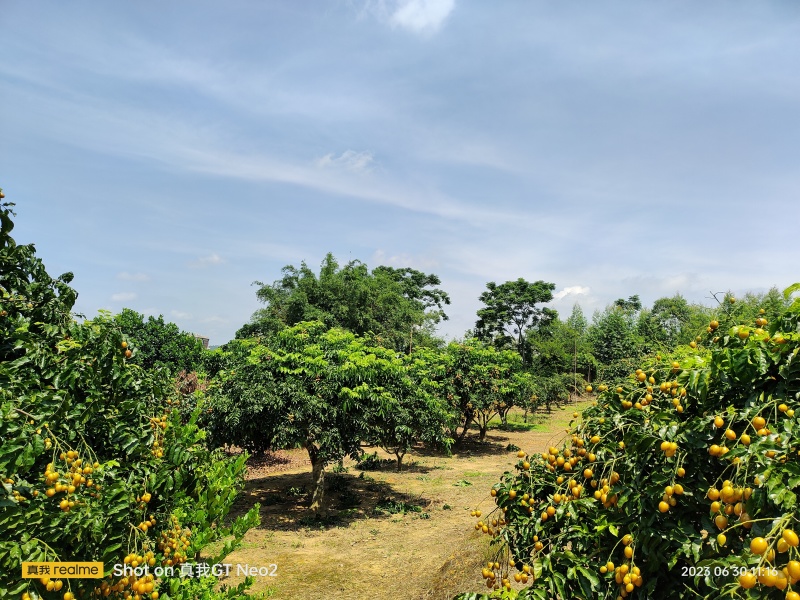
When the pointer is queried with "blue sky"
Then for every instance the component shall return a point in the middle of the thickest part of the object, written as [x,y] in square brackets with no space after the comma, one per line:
[169,154]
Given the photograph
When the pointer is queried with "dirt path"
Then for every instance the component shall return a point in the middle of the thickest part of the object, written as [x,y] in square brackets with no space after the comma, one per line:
[428,552]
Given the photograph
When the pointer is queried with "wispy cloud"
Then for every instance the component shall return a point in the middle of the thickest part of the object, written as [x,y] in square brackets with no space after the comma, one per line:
[187,148]
[125,276]
[350,160]
[211,260]
[341,182]
[179,314]
[123,297]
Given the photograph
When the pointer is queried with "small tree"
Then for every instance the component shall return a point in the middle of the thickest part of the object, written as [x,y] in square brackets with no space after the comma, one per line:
[551,390]
[478,384]
[416,413]
[327,391]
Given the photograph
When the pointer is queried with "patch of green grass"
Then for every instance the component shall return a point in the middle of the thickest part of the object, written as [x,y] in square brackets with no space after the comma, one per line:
[396,507]
[516,427]
[473,474]
[462,483]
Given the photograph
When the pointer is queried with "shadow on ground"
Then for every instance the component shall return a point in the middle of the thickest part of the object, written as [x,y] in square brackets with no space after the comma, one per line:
[494,444]
[285,500]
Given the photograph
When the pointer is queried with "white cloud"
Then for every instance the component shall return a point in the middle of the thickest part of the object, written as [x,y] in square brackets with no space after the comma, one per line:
[349,159]
[123,297]
[575,290]
[180,314]
[125,276]
[211,260]
[421,16]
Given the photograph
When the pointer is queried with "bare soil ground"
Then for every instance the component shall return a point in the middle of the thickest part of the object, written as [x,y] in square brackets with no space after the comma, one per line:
[429,552]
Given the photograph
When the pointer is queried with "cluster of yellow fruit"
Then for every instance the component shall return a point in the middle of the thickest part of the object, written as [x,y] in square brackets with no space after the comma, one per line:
[486,527]
[174,543]
[769,575]
[759,425]
[495,578]
[669,448]
[567,459]
[573,489]
[147,524]
[668,500]
[158,425]
[51,585]
[131,587]
[76,475]
[743,332]
[627,575]
[127,350]
[726,502]
[645,397]
[603,491]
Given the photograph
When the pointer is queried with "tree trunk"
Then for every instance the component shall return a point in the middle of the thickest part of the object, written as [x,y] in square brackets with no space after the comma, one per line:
[317,477]
[463,433]
[504,418]
[483,429]
[399,456]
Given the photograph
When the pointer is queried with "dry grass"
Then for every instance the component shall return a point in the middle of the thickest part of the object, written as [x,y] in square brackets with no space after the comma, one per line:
[431,552]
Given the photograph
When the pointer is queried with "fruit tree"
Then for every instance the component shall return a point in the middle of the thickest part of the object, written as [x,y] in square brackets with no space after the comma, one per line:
[94,463]
[325,390]
[680,483]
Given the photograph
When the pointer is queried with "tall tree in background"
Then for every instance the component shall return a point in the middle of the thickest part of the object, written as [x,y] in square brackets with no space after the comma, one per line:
[561,348]
[398,306]
[511,310]
[613,334]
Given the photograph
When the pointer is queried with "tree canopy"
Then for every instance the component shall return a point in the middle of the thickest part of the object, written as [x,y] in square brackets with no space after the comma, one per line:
[398,306]
[326,390]
[511,310]
[159,344]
